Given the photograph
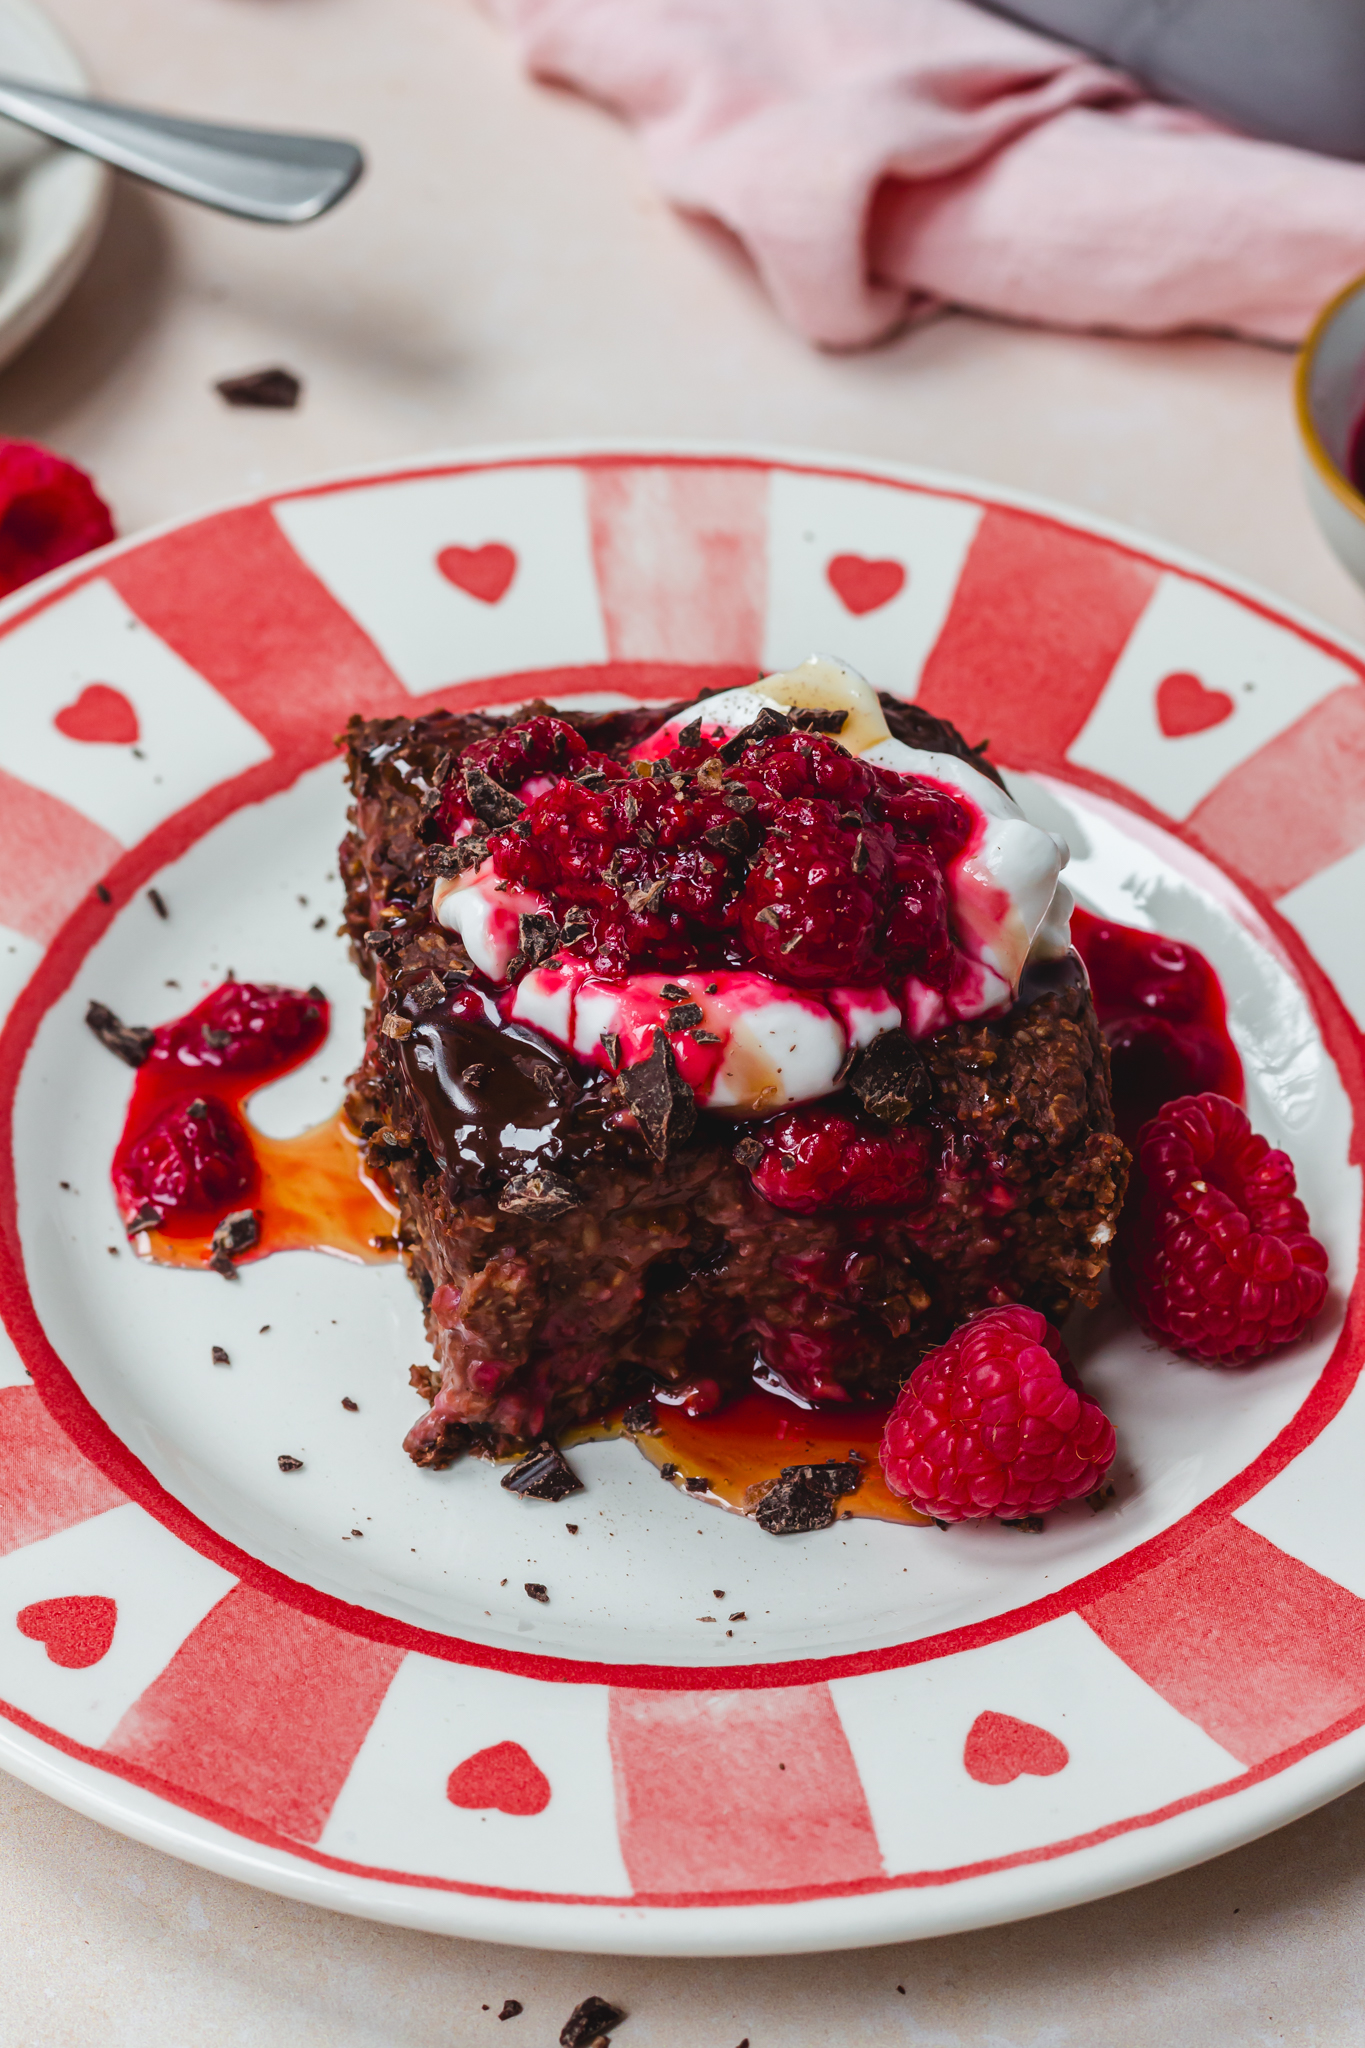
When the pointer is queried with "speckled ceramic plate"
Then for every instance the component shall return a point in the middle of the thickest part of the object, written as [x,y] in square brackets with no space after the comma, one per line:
[913,1730]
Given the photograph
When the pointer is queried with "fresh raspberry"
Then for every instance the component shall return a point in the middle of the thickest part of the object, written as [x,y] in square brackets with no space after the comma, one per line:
[812,904]
[49,513]
[814,1159]
[194,1161]
[1215,1257]
[995,1423]
[244,1027]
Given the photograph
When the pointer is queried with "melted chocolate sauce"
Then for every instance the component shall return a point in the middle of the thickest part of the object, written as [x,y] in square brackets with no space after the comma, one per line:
[494,1097]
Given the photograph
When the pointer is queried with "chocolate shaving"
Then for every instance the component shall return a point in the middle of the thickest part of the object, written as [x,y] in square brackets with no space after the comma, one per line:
[131,1042]
[683,1016]
[663,1105]
[611,1045]
[806,1496]
[769,725]
[860,855]
[220,1356]
[768,915]
[535,1591]
[707,1037]
[543,1474]
[288,1464]
[674,992]
[510,2008]
[690,736]
[588,2023]
[158,903]
[147,1218]
[642,896]
[236,1234]
[815,720]
[738,798]
[711,774]
[639,1419]
[488,799]
[751,1152]
[277,389]
[890,1078]
[732,837]
[538,1195]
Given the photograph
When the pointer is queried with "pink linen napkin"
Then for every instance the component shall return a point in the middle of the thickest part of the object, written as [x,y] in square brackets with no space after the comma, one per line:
[878,157]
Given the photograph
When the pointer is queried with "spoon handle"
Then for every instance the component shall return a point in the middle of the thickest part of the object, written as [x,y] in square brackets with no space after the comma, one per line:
[256,172]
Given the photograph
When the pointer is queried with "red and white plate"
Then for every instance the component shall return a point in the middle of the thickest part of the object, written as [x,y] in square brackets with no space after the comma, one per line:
[913,1731]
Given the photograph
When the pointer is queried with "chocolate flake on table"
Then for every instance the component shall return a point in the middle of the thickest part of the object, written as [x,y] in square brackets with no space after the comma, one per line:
[640,1420]
[543,1474]
[351,1407]
[510,2008]
[488,799]
[890,1078]
[538,1195]
[683,1017]
[236,1234]
[805,1497]
[147,1218]
[132,1042]
[220,1356]
[589,2023]
[535,1591]
[158,902]
[276,389]
[288,1464]
[664,1106]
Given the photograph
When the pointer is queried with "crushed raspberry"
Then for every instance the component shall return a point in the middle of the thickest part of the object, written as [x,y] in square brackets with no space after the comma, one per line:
[995,1423]
[244,1027]
[49,513]
[815,1159]
[1215,1257]
[194,1161]
[782,851]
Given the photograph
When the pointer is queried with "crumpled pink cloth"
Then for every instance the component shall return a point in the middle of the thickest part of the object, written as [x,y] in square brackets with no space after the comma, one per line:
[878,157]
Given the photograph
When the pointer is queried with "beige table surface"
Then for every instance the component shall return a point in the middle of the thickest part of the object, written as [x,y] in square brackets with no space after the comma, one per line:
[506,273]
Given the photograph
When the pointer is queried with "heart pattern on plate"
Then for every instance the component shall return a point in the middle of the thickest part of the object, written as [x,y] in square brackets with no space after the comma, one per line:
[485,573]
[1000,1749]
[100,716]
[76,1630]
[864,586]
[505,1777]
[1184,705]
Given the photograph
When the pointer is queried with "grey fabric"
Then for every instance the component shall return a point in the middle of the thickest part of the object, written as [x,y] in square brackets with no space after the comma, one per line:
[1289,70]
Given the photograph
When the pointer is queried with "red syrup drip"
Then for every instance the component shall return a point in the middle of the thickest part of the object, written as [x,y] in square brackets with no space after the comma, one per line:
[308,1193]
[1161,1008]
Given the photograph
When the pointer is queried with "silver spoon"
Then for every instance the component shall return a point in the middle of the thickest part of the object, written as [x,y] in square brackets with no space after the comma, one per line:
[256,172]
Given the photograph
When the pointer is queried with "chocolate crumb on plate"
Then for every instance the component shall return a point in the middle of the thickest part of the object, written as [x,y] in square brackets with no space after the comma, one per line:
[288,1464]
[351,1407]
[639,1419]
[276,389]
[543,1474]
[220,1356]
[131,1042]
[357,1532]
[718,1592]
[589,2022]
[668,1471]
[510,2008]
[738,1615]
[695,1483]
[158,902]
[805,1497]
[535,1591]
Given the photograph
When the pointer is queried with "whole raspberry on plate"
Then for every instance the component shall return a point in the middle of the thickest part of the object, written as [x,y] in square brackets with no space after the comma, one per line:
[50,512]
[1215,1257]
[994,1423]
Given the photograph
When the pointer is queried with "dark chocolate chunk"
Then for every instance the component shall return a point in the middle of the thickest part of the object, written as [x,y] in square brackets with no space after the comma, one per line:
[288,1464]
[664,1106]
[469,852]
[132,1042]
[538,1195]
[429,990]
[234,1235]
[543,1474]
[220,1356]
[695,1483]
[707,1037]
[890,1078]
[738,1615]
[488,799]
[683,1016]
[611,1045]
[537,938]
[690,736]
[351,1407]
[737,798]
[639,1419]
[275,388]
[805,1497]
[674,992]
[158,902]
[394,1026]
[147,1218]
[731,837]
[668,1471]
[588,2022]
[819,721]
[198,1109]
[379,942]
[751,1152]
[474,1075]
[769,724]
[535,1591]
[510,2008]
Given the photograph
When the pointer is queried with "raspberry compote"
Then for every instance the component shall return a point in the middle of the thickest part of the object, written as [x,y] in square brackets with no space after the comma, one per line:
[1162,1010]
[189,1158]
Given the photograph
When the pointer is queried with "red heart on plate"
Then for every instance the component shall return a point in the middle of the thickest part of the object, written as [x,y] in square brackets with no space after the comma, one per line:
[100,715]
[76,1630]
[504,1777]
[1184,705]
[864,586]
[485,573]
[1000,1749]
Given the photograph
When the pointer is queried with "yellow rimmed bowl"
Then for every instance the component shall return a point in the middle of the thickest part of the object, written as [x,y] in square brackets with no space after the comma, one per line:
[1329,395]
